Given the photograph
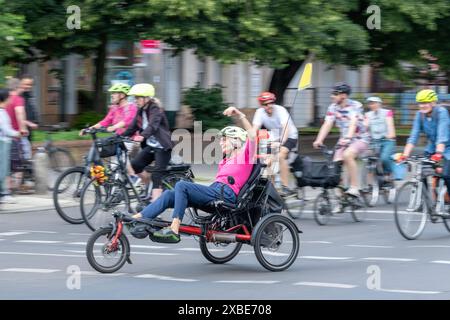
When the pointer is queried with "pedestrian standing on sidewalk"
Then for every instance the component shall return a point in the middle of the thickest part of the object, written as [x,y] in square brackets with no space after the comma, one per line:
[20,147]
[6,133]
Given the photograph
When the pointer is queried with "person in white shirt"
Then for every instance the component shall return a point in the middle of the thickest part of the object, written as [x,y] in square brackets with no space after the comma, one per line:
[283,133]
[6,133]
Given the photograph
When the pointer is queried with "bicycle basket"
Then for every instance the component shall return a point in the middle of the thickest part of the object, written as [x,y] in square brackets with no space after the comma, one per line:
[316,173]
[107,147]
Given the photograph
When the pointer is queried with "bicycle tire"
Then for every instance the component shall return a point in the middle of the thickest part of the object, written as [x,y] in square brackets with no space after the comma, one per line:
[59,160]
[57,192]
[88,215]
[322,212]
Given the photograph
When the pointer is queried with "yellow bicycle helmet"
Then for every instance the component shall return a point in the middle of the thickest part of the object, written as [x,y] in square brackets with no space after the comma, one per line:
[426,95]
[142,90]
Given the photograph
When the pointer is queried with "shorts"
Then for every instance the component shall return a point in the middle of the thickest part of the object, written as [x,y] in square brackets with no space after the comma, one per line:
[359,146]
[291,144]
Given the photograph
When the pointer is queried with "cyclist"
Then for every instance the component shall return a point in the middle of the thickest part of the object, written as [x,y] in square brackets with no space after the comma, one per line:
[380,122]
[239,157]
[152,128]
[348,116]
[121,113]
[433,120]
[283,133]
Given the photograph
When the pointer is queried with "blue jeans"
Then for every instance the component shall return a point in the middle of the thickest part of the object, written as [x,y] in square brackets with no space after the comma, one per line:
[387,149]
[188,194]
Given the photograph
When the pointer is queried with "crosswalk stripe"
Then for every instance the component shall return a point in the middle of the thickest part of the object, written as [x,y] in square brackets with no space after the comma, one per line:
[42,254]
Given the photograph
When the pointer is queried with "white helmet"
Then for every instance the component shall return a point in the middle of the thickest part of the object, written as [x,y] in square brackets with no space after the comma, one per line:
[374,99]
[234,132]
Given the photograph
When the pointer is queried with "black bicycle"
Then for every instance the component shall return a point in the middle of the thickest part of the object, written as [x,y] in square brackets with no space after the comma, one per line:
[111,187]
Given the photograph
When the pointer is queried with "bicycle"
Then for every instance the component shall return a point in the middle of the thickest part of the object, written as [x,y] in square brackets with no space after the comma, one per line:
[418,199]
[59,159]
[326,175]
[374,180]
[115,190]
[68,185]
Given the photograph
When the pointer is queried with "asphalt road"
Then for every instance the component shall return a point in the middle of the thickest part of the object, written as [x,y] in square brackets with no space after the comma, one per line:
[343,260]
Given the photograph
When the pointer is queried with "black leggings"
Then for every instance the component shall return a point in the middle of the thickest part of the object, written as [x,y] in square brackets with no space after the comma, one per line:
[146,157]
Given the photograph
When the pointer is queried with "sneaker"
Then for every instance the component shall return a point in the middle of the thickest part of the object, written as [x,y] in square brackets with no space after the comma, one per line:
[286,192]
[353,191]
[9,199]
[337,209]
[166,235]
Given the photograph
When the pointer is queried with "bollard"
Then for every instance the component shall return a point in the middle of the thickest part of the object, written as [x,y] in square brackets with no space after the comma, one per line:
[41,171]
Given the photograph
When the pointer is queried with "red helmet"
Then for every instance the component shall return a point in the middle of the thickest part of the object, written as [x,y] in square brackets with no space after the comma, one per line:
[266,97]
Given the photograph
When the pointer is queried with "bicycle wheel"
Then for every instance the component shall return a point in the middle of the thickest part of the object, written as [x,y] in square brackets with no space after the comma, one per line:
[59,161]
[66,194]
[370,191]
[442,207]
[357,208]
[102,256]
[322,209]
[97,203]
[170,180]
[410,211]
[296,205]
[219,252]
[276,242]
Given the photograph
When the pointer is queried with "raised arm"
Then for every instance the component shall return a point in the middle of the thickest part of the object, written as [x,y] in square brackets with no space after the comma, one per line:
[233,111]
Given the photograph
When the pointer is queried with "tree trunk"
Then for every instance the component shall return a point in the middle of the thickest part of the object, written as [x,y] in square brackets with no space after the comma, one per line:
[282,77]
[100,64]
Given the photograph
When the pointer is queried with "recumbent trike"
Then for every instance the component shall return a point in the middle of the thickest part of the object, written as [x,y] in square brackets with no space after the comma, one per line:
[255,219]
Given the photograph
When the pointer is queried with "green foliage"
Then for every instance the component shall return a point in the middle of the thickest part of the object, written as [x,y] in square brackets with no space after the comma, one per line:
[207,106]
[87,118]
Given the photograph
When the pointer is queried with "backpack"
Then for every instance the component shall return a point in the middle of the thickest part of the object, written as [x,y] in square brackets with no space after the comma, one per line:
[312,173]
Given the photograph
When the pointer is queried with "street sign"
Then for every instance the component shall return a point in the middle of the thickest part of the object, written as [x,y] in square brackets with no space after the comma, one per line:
[151,46]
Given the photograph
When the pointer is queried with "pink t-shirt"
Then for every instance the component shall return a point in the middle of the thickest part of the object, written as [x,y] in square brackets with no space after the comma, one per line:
[14,101]
[239,167]
[117,114]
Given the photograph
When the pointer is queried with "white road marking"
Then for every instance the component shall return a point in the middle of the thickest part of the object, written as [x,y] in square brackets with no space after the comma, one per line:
[167,278]
[390,259]
[248,281]
[134,252]
[42,254]
[321,242]
[147,247]
[324,258]
[368,246]
[36,231]
[2,239]
[441,261]
[79,234]
[198,249]
[38,241]
[154,253]
[409,291]
[12,233]
[30,270]
[430,246]
[95,273]
[326,284]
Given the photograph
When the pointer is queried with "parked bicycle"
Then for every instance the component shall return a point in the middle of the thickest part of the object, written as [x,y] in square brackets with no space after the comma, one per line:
[373,179]
[59,159]
[421,198]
